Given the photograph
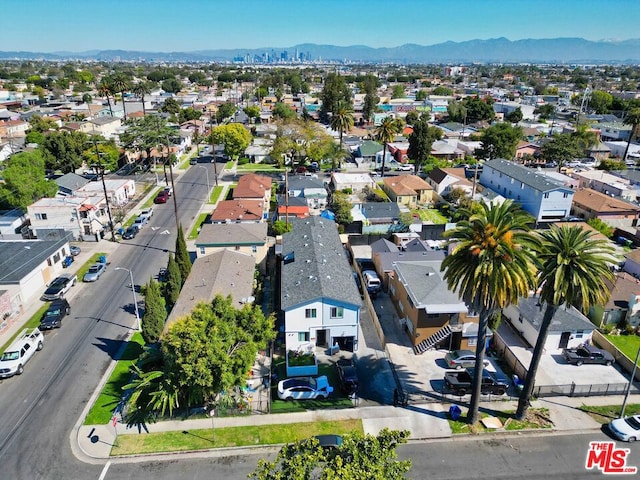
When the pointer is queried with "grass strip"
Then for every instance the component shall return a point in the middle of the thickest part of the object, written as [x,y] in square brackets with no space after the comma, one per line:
[606,413]
[177,441]
[102,410]
[627,344]
[215,194]
[193,234]
[537,418]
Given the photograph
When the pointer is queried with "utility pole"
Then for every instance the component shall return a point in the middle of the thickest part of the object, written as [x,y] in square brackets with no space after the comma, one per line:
[213,152]
[104,188]
[173,189]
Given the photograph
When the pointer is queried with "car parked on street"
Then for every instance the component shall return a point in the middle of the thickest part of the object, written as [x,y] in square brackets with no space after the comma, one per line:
[162,197]
[146,212]
[626,429]
[461,359]
[130,232]
[348,376]
[169,190]
[587,354]
[52,318]
[304,388]
[74,251]
[140,222]
[95,272]
[15,357]
[59,287]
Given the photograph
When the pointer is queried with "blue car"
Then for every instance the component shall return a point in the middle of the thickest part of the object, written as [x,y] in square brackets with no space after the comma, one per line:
[67,261]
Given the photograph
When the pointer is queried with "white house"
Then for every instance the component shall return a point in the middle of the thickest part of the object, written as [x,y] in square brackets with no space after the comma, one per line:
[319,297]
[569,328]
[84,218]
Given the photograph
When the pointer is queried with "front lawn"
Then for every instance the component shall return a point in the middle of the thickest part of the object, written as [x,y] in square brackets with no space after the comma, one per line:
[536,418]
[627,344]
[176,441]
[94,259]
[430,215]
[193,234]
[262,167]
[102,410]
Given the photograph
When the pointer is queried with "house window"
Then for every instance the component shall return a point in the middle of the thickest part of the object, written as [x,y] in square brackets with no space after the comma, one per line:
[254,248]
[472,342]
[237,248]
[41,216]
[303,336]
[522,186]
[579,333]
[202,251]
[546,195]
[337,312]
[565,195]
[56,257]
[409,301]
[310,313]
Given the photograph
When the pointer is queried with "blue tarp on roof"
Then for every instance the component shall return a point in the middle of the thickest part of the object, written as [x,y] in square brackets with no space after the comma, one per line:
[328,214]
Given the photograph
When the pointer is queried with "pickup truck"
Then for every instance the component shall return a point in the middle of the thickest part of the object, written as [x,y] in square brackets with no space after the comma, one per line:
[587,354]
[461,382]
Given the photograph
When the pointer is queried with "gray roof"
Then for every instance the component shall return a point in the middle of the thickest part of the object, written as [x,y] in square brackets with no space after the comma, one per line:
[387,259]
[224,234]
[417,245]
[320,268]
[20,257]
[380,210]
[303,182]
[71,182]
[225,272]
[383,246]
[427,289]
[525,175]
[293,201]
[565,319]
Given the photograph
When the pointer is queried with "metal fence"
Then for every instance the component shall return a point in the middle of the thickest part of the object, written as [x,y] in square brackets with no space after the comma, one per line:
[595,389]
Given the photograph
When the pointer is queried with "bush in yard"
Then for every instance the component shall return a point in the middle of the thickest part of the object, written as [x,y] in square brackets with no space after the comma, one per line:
[173,283]
[182,256]
[154,313]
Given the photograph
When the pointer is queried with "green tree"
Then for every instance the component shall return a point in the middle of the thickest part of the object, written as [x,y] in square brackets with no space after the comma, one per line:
[600,101]
[342,118]
[562,149]
[155,313]
[421,95]
[609,164]
[499,141]
[371,99]
[252,111]
[456,111]
[189,113]
[441,91]
[104,90]
[633,119]
[62,150]
[421,141]
[341,207]
[397,91]
[385,133]
[235,138]
[280,227]
[172,106]
[412,117]
[173,283]
[359,457]
[102,152]
[334,90]
[24,181]
[574,271]
[545,111]
[283,111]
[491,266]
[473,110]
[141,90]
[226,110]
[120,83]
[172,85]
[601,226]
[183,259]
[515,116]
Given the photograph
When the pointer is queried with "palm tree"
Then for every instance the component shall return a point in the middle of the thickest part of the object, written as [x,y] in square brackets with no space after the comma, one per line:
[385,132]
[574,270]
[342,118]
[633,119]
[120,85]
[141,89]
[491,266]
[105,89]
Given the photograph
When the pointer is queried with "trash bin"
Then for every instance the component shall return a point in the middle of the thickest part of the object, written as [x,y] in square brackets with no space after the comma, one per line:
[454,412]
[102,259]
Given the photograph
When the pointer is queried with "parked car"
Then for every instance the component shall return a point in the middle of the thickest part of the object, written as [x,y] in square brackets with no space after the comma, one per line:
[146,212]
[67,261]
[304,388]
[587,354]
[348,376]
[15,357]
[461,382]
[74,251]
[329,441]
[169,190]
[59,287]
[52,318]
[94,272]
[626,429]
[461,359]
[301,169]
[140,222]
[407,167]
[162,197]
[193,161]
[130,232]
[371,281]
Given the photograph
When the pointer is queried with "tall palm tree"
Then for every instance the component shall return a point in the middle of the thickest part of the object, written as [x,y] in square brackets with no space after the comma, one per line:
[120,85]
[141,89]
[633,119]
[342,118]
[385,132]
[105,89]
[574,269]
[491,266]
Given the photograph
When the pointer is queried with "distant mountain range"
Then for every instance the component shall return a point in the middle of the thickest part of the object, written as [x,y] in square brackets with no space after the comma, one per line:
[496,50]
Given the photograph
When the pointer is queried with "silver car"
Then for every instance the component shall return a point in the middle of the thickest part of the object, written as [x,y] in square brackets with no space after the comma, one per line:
[94,272]
[461,359]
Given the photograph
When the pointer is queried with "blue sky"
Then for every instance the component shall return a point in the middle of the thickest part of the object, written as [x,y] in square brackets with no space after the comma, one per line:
[188,25]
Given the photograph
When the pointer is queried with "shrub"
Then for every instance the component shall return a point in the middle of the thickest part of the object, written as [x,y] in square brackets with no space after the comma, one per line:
[243,161]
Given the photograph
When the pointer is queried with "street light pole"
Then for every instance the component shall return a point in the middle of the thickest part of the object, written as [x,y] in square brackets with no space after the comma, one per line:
[633,375]
[135,300]
[208,186]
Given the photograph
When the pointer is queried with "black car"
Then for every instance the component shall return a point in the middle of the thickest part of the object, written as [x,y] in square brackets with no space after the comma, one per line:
[52,318]
[130,232]
[348,376]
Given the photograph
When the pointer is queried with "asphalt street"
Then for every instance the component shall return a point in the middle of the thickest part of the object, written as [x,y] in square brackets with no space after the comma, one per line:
[39,408]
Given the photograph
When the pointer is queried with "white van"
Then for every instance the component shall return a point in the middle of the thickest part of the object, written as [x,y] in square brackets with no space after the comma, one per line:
[371,281]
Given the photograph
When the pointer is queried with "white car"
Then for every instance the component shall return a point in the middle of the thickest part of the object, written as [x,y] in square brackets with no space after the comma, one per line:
[406,168]
[15,357]
[140,222]
[94,272]
[146,212]
[626,429]
[59,287]
[304,388]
